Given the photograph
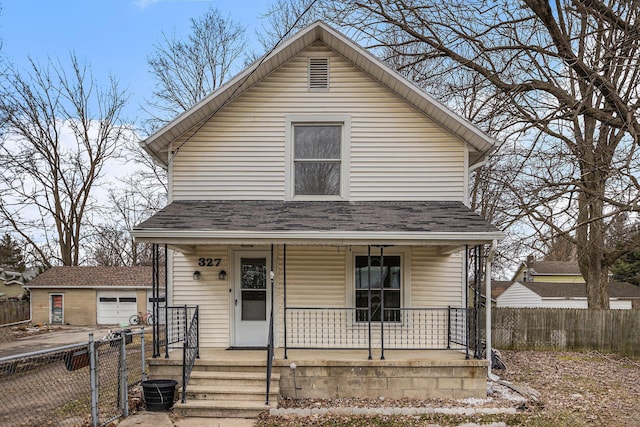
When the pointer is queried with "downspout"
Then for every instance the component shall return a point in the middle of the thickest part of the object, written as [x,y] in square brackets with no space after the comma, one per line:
[487,305]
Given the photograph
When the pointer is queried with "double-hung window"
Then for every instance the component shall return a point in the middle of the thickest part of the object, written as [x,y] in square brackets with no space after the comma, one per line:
[380,285]
[318,158]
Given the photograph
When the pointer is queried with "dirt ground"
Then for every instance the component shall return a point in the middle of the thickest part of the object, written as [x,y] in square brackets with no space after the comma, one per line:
[561,388]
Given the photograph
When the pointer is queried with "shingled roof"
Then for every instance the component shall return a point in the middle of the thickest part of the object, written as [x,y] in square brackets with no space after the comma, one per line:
[317,220]
[579,290]
[93,277]
[555,267]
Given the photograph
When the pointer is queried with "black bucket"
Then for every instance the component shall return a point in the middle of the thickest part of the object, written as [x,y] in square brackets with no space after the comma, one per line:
[158,394]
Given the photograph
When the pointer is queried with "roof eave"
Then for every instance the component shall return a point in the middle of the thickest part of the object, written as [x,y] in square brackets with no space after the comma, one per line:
[200,237]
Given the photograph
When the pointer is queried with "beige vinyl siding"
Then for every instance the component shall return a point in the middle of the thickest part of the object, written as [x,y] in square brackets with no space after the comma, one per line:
[395,152]
[209,293]
[315,278]
[436,280]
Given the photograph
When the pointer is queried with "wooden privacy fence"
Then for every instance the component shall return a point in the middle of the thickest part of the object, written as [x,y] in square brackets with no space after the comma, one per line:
[13,311]
[610,331]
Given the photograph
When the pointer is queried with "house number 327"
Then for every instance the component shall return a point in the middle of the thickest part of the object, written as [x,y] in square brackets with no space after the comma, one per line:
[209,262]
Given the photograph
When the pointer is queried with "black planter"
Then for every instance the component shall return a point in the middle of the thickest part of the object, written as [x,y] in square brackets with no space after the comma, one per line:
[158,394]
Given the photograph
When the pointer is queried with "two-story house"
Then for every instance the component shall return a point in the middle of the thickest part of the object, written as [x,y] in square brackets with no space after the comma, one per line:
[318,209]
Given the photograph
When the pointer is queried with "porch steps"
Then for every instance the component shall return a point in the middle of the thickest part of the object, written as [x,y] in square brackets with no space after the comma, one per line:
[219,394]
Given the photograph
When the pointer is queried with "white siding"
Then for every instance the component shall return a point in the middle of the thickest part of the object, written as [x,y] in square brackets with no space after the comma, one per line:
[396,153]
[209,293]
[581,303]
[518,295]
[436,280]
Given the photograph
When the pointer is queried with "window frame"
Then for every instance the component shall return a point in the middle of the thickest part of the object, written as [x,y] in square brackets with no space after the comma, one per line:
[344,121]
[405,279]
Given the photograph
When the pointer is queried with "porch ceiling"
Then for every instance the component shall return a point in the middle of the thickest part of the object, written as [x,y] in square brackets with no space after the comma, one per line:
[186,223]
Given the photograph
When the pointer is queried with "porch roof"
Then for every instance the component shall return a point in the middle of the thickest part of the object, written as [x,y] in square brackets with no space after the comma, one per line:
[192,222]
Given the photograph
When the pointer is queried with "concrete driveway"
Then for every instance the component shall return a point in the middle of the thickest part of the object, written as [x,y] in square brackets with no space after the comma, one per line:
[57,337]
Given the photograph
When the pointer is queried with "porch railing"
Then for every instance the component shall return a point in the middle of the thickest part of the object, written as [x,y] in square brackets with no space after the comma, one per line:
[190,351]
[172,327]
[401,329]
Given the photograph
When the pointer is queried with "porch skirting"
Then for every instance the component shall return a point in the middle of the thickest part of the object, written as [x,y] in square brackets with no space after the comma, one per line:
[403,374]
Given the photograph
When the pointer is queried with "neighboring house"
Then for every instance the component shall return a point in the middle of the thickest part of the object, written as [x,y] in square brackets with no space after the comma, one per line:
[559,284]
[89,295]
[497,288]
[549,271]
[565,295]
[320,190]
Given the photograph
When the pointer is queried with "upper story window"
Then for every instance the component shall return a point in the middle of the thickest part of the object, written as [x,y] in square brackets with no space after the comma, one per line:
[317,152]
[317,157]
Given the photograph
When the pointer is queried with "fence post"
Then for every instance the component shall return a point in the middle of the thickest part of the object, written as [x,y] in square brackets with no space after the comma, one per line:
[144,373]
[124,389]
[93,379]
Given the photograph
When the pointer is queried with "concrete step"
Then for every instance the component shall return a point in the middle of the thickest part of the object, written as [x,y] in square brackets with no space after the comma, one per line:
[237,392]
[257,379]
[222,409]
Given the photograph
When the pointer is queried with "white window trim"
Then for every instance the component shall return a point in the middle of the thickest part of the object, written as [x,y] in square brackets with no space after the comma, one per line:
[317,119]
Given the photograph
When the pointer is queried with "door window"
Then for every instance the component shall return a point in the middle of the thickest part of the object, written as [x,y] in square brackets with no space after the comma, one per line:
[253,288]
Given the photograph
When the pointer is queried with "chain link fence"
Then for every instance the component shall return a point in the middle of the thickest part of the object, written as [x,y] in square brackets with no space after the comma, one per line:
[86,384]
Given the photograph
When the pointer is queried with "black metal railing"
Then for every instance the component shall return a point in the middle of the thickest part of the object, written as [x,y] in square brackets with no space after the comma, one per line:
[400,329]
[172,326]
[190,351]
[269,357]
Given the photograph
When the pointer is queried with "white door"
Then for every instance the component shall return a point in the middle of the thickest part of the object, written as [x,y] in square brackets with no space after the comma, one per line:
[116,307]
[252,298]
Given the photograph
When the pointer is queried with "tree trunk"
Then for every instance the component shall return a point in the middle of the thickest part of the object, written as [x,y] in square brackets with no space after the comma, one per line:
[590,238]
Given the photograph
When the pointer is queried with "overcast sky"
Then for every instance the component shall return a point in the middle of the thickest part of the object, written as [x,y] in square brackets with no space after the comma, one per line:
[113,36]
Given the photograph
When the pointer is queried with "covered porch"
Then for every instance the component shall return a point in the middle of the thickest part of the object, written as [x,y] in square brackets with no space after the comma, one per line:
[363,299]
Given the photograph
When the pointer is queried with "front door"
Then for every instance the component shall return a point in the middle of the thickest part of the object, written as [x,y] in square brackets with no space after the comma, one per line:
[57,309]
[252,298]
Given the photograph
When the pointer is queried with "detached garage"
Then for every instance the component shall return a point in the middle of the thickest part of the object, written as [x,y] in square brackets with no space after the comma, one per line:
[89,295]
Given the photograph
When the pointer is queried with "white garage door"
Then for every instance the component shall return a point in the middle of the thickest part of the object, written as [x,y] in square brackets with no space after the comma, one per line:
[116,307]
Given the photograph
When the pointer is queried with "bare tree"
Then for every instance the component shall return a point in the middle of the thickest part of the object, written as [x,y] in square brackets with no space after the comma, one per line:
[187,70]
[60,129]
[285,17]
[571,72]
[110,242]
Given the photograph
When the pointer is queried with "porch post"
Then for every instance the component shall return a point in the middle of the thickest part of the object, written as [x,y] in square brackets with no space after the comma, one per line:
[166,306]
[284,295]
[488,304]
[369,296]
[154,296]
[381,302]
[466,300]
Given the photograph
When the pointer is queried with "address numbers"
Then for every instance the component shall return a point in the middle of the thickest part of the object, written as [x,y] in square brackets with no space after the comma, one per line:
[209,262]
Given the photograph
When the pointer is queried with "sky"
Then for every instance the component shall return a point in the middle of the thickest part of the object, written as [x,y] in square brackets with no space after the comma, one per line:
[113,36]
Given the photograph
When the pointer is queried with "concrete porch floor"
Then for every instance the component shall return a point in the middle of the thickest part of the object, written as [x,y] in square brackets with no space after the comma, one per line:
[423,357]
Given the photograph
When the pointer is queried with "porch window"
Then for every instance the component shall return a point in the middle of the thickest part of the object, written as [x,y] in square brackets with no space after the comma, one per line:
[387,278]
[317,159]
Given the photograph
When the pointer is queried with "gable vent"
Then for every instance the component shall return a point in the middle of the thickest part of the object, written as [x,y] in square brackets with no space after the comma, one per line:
[318,73]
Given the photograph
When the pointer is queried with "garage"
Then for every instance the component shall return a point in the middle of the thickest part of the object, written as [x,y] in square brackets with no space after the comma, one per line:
[116,307]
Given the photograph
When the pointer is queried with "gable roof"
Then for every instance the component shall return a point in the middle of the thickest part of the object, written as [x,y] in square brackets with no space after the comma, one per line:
[579,290]
[93,277]
[157,144]
[555,268]
[250,221]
